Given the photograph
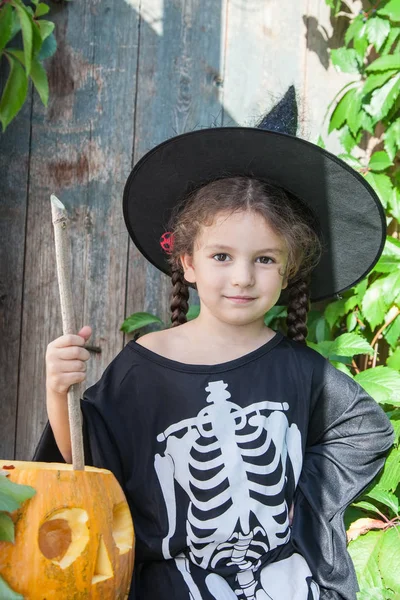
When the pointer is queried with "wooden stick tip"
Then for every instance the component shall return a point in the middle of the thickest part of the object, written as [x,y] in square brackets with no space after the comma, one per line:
[56,202]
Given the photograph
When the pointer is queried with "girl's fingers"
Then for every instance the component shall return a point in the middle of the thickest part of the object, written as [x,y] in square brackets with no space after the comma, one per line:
[72,353]
[72,366]
[67,340]
[85,332]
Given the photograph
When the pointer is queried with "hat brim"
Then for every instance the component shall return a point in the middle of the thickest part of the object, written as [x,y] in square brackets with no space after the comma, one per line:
[350,215]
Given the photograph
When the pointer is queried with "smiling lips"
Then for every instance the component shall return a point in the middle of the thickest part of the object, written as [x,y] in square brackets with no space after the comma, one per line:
[240,299]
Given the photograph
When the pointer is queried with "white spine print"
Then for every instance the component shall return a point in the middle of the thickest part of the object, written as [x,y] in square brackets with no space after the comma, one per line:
[231,462]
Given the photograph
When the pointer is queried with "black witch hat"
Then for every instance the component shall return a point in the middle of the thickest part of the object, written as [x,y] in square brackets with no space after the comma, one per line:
[348,211]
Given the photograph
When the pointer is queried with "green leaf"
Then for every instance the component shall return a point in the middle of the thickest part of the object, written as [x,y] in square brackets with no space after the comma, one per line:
[350,344]
[360,290]
[346,60]
[383,63]
[394,360]
[389,480]
[391,10]
[41,9]
[390,257]
[374,593]
[339,115]
[6,25]
[7,503]
[26,23]
[323,347]
[386,498]
[276,312]
[392,333]
[394,203]
[18,492]
[374,304]
[342,367]
[14,93]
[382,383]
[368,506]
[348,140]
[379,161]
[351,321]
[6,593]
[48,48]
[354,114]
[46,28]
[6,528]
[138,320]
[382,99]
[392,138]
[391,39]
[377,30]
[395,421]
[389,558]
[382,185]
[376,80]
[338,309]
[321,330]
[193,312]
[364,552]
[354,30]
[39,78]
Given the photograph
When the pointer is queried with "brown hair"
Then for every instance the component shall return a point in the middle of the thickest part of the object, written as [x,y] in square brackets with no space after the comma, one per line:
[289,217]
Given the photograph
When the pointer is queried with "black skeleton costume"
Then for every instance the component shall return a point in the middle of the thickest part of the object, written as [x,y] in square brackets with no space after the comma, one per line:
[211,458]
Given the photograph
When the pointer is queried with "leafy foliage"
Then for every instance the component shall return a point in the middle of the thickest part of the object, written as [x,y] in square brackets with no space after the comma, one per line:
[12,495]
[363,327]
[21,24]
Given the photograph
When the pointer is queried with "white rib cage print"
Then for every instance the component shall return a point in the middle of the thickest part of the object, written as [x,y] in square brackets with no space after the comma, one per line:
[231,462]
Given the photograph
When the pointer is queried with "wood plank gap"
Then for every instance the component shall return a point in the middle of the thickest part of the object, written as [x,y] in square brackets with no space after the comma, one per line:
[223,69]
[23,274]
[124,338]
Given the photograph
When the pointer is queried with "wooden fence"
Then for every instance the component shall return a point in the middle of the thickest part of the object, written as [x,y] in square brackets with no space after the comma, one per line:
[126,76]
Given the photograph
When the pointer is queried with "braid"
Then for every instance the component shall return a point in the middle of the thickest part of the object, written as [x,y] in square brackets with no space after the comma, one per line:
[298,307]
[180,297]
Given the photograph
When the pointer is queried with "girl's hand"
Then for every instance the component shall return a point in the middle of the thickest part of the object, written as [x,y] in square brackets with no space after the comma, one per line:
[66,361]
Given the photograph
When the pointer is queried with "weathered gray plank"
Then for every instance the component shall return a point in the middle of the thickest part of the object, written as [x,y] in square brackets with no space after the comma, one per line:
[14,167]
[81,150]
[178,91]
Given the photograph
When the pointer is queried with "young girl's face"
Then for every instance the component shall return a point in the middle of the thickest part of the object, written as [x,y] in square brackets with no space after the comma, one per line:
[238,265]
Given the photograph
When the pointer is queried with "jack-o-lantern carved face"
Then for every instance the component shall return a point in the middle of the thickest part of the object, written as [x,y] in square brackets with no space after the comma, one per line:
[74,538]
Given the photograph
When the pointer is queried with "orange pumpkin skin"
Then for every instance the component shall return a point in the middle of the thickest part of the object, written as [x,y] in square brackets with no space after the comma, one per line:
[74,538]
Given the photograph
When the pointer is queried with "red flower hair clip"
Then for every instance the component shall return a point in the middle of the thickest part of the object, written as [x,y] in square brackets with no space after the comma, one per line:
[167,242]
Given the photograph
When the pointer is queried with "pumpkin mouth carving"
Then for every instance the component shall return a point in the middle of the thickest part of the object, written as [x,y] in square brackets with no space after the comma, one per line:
[64,536]
[122,530]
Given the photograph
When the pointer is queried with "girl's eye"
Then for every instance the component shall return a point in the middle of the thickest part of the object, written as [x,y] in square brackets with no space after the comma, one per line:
[220,257]
[265,260]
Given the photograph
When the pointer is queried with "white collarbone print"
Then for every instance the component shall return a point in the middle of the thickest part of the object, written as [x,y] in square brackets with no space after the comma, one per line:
[232,464]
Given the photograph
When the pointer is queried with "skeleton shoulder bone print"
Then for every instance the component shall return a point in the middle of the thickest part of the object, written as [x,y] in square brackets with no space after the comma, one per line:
[232,464]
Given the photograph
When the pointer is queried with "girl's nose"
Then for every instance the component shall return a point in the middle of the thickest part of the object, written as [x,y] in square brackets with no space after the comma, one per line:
[243,275]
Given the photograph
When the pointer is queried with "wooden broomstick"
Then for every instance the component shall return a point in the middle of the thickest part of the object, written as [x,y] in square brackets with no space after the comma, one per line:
[60,220]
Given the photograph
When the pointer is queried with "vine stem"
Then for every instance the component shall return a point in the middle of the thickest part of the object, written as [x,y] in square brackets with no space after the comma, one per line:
[60,221]
[379,333]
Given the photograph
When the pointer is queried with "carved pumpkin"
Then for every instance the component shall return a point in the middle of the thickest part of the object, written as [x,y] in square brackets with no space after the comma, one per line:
[73,539]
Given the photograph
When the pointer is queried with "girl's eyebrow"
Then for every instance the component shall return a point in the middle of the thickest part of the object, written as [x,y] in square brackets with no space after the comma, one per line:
[229,249]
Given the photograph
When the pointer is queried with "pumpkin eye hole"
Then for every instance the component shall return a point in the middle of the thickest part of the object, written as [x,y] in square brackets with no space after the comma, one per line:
[122,527]
[64,536]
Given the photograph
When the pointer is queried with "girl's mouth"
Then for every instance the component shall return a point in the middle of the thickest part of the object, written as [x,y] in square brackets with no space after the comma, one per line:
[240,299]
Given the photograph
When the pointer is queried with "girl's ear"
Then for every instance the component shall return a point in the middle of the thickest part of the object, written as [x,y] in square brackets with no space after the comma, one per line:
[188,268]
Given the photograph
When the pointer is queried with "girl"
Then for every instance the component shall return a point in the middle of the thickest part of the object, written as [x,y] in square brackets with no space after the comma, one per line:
[216,427]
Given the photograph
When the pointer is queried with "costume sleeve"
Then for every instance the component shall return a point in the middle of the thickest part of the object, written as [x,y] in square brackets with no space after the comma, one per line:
[348,438]
[105,410]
